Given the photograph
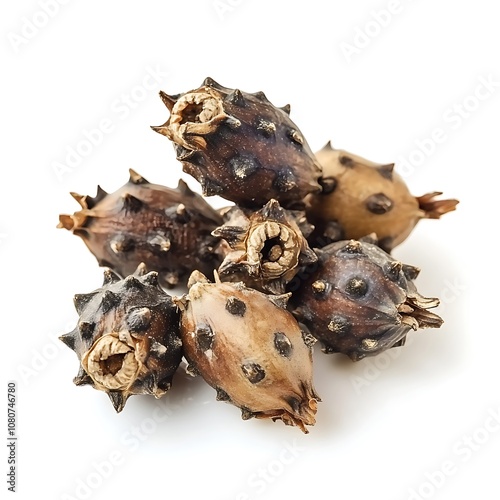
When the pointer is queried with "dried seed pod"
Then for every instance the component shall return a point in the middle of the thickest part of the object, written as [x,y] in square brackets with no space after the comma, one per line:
[266,247]
[239,146]
[127,337]
[360,197]
[248,347]
[360,301]
[167,229]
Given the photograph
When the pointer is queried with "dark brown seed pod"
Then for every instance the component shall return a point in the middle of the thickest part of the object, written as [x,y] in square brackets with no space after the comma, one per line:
[127,337]
[167,229]
[361,197]
[266,248]
[249,348]
[360,301]
[239,146]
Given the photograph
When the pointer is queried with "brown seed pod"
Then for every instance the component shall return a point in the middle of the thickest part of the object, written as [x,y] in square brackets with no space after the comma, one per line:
[239,146]
[360,301]
[266,247]
[360,197]
[249,348]
[167,229]
[127,337]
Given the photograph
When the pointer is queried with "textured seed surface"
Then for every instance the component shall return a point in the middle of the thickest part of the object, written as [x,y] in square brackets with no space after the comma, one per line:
[240,146]
[259,359]
[364,197]
[167,229]
[127,339]
[360,301]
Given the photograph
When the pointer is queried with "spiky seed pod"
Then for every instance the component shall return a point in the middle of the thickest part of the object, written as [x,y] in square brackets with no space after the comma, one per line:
[248,347]
[239,146]
[127,338]
[360,197]
[360,301]
[167,229]
[266,247]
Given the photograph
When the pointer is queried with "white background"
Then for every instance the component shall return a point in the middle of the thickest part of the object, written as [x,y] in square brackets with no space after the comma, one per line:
[385,427]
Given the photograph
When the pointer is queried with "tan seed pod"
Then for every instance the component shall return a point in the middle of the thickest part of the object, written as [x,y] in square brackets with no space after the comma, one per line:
[360,197]
[248,347]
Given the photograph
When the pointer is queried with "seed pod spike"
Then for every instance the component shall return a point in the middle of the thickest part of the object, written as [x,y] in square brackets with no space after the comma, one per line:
[160,129]
[110,277]
[168,100]
[136,178]
[69,339]
[118,400]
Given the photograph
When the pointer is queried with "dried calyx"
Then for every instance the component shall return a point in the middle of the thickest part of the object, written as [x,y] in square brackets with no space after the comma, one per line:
[112,362]
[239,146]
[266,248]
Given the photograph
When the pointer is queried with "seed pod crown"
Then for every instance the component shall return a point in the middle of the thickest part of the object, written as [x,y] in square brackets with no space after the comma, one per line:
[267,247]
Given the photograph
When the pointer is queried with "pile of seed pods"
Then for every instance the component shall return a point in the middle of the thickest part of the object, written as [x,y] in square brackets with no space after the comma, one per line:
[302,255]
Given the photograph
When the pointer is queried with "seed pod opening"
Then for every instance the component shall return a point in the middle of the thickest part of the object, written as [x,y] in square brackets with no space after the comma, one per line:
[266,248]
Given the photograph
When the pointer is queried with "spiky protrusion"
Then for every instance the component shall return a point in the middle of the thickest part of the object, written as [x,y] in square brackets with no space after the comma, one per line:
[239,146]
[250,349]
[360,301]
[266,247]
[127,338]
[361,197]
[168,229]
